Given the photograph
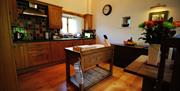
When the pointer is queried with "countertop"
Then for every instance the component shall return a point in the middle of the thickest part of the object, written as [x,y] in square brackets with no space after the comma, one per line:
[134,46]
[60,39]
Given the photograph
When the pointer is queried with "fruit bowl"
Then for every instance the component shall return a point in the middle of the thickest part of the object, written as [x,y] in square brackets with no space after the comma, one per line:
[129,43]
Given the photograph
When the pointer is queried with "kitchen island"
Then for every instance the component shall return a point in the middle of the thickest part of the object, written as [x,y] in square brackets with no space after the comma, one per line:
[88,72]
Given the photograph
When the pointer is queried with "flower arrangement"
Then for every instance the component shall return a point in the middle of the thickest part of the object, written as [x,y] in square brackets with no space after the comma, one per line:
[156,31]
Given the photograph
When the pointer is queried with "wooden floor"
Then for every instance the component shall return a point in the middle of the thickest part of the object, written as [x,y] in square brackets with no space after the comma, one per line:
[53,79]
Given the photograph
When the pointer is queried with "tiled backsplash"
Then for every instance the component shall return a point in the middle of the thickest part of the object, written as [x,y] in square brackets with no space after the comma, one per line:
[32,27]
[29,27]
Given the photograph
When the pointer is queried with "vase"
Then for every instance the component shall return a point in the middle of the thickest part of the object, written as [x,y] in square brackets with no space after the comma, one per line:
[153,54]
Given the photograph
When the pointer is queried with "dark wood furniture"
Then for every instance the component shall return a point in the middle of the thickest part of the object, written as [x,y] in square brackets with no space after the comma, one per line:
[8,77]
[124,55]
[55,17]
[149,73]
[13,11]
[89,41]
[170,81]
[91,72]
[18,52]
[88,21]
[165,77]
[31,55]
[56,51]
[37,53]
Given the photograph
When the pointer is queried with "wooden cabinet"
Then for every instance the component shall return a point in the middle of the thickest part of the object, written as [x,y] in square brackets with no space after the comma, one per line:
[19,56]
[55,17]
[77,42]
[124,55]
[89,41]
[37,53]
[13,11]
[57,51]
[66,44]
[88,21]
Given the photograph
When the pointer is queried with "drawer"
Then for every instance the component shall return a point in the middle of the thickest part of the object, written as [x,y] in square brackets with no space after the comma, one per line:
[38,58]
[37,53]
[77,42]
[37,47]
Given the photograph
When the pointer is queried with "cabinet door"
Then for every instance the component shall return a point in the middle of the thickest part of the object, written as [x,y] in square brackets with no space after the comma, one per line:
[66,44]
[92,41]
[89,41]
[88,21]
[55,15]
[13,11]
[19,56]
[57,51]
[37,53]
[86,42]
[77,42]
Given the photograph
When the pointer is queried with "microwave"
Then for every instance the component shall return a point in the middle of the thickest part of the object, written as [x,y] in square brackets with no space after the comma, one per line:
[89,34]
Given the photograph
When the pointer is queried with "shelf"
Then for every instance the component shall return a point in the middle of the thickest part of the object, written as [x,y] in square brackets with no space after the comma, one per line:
[92,77]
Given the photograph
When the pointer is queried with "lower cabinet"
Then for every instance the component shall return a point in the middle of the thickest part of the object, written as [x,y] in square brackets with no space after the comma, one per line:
[77,42]
[37,53]
[66,44]
[89,41]
[19,56]
[56,51]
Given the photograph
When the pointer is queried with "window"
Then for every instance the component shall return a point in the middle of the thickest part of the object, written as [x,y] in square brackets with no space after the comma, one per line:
[71,24]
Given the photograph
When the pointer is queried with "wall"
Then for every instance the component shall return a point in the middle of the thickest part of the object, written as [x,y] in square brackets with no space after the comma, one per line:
[137,10]
[78,6]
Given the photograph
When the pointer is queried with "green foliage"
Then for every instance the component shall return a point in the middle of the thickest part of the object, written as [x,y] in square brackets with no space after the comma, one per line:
[156,31]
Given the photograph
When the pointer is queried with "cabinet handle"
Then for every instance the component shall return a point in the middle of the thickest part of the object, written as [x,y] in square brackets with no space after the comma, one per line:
[37,55]
[40,49]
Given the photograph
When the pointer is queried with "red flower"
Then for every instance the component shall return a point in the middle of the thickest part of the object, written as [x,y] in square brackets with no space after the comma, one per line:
[158,22]
[149,23]
[156,31]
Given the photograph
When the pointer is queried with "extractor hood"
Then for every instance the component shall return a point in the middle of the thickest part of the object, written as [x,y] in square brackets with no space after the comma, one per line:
[33,10]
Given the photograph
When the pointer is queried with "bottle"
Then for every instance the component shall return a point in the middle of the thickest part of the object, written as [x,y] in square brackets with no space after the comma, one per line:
[47,35]
[16,35]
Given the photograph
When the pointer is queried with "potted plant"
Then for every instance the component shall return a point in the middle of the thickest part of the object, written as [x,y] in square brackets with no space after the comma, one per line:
[154,33]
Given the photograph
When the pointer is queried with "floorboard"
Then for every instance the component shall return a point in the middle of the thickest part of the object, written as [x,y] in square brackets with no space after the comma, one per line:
[53,79]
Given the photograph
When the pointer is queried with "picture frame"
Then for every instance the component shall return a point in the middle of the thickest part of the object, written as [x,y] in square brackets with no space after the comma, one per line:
[162,15]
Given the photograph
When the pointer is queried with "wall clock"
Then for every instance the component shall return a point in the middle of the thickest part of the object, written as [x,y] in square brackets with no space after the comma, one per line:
[107,9]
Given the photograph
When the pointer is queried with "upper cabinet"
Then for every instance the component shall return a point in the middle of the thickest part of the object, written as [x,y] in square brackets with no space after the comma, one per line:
[13,11]
[88,21]
[55,17]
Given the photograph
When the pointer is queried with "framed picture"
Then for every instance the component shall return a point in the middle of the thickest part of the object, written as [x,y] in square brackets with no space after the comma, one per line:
[163,15]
